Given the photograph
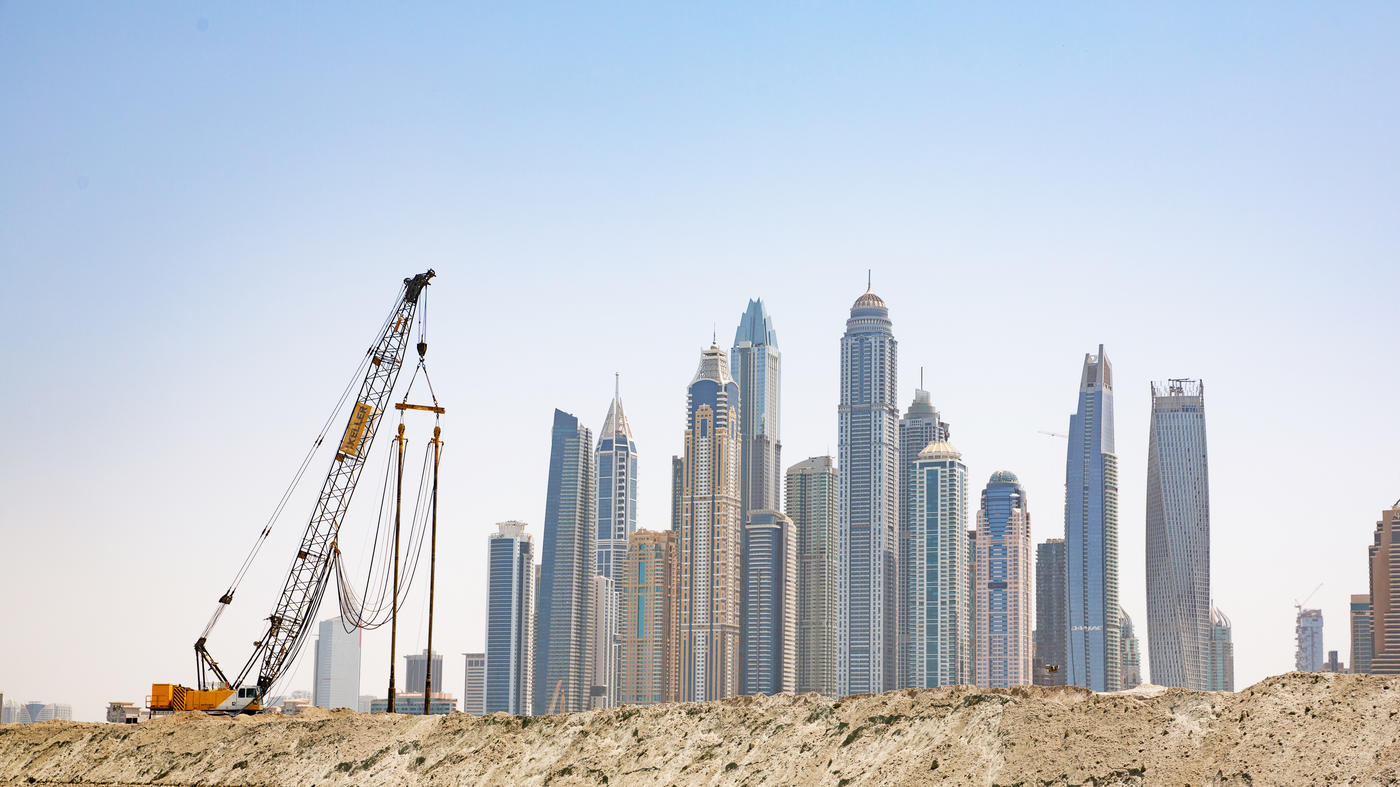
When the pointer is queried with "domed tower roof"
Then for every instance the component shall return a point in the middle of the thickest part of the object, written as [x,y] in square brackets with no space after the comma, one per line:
[1004,477]
[869,301]
[940,449]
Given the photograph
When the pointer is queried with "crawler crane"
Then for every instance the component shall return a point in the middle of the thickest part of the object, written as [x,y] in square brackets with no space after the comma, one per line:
[290,621]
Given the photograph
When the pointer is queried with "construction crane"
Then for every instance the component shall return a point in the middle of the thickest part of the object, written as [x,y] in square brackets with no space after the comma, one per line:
[1298,605]
[290,621]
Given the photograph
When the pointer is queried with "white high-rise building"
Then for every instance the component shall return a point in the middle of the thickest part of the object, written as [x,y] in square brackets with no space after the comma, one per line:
[474,688]
[336,680]
[510,620]
[1178,537]
[606,643]
[938,621]
[811,503]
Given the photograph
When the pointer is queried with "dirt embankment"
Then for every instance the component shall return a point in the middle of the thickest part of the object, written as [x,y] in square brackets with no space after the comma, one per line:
[1292,729]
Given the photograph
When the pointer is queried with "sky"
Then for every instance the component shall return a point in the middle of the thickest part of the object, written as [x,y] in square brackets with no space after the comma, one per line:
[206,210]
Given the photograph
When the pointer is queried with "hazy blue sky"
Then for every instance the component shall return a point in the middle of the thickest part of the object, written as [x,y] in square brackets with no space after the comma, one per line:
[205,210]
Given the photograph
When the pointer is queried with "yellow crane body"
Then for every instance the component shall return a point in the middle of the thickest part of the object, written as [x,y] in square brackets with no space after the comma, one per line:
[172,697]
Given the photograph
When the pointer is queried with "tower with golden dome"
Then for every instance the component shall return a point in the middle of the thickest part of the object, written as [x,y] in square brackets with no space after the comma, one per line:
[868,473]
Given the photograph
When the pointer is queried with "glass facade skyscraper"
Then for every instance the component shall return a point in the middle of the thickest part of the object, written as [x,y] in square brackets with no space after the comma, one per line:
[1002,585]
[510,620]
[1178,537]
[336,680]
[938,624]
[1129,655]
[1222,653]
[868,468]
[770,603]
[1091,533]
[920,426]
[568,561]
[1361,640]
[756,366]
[1051,623]
[616,460]
[710,539]
[811,503]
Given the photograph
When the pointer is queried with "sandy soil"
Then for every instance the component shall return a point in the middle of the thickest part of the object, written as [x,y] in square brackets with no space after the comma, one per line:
[1292,729]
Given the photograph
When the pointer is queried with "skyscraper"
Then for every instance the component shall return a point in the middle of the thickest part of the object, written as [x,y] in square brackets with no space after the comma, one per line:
[710,538]
[1129,657]
[1178,536]
[605,635]
[937,627]
[1051,623]
[474,689]
[1222,653]
[510,620]
[1002,589]
[920,426]
[1361,639]
[756,366]
[415,670]
[1091,532]
[616,460]
[1307,657]
[811,502]
[770,603]
[1385,594]
[868,467]
[567,565]
[648,670]
[336,680]
[677,493]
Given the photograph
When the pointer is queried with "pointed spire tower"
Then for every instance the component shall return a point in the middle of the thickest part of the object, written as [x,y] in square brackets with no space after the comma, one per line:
[616,460]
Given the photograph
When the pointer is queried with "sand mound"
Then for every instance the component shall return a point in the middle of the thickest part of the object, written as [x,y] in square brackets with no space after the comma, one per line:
[1292,729]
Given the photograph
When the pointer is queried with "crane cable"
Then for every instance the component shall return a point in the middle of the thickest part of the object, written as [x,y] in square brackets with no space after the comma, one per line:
[227,598]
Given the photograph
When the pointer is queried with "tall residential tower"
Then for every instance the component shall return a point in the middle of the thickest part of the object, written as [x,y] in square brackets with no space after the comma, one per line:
[1178,537]
[510,620]
[937,627]
[770,603]
[756,366]
[710,539]
[868,466]
[1002,585]
[1051,610]
[568,562]
[1091,533]
[811,502]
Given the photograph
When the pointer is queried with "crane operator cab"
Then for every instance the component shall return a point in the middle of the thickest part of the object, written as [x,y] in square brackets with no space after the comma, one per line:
[171,698]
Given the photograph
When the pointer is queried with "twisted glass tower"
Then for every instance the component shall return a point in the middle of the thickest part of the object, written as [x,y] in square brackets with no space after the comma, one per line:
[1178,537]
[868,467]
[1091,533]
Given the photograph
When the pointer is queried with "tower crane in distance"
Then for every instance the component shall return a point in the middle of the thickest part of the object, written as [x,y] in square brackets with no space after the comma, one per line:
[290,621]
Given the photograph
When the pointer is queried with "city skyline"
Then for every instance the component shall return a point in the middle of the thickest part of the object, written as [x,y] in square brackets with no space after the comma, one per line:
[1178,185]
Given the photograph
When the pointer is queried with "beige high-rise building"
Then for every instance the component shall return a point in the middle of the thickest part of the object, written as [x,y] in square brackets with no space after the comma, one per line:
[1385,594]
[710,539]
[811,503]
[1001,594]
[647,670]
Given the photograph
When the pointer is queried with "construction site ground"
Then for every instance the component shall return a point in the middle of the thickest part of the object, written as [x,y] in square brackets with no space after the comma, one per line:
[1291,729]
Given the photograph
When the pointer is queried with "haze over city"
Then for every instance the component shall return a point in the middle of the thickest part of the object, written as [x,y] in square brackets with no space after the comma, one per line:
[206,210]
